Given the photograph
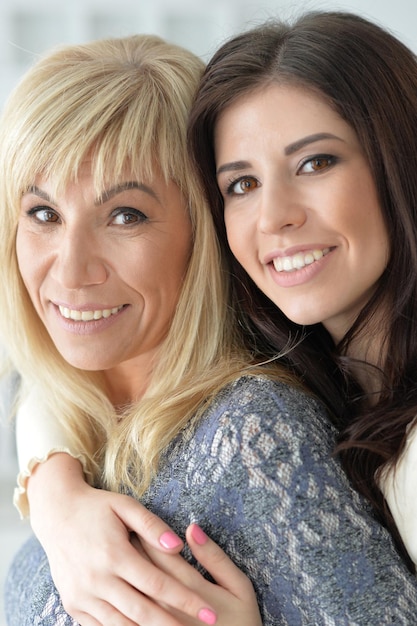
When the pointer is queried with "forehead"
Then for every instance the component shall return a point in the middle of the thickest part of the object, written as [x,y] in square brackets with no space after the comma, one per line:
[286,110]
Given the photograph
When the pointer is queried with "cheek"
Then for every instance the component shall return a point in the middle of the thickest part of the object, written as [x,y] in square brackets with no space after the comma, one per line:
[29,261]
[23,254]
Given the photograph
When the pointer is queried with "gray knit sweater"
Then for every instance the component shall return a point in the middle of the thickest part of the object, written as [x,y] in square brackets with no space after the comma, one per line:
[258,476]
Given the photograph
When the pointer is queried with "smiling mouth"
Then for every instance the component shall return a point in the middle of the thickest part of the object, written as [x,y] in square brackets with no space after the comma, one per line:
[299,260]
[88,316]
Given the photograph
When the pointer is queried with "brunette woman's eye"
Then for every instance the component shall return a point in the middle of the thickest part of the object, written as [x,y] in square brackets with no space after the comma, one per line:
[243,185]
[316,164]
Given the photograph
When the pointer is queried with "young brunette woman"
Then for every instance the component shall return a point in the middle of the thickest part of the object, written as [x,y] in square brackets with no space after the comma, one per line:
[305,140]
[258,475]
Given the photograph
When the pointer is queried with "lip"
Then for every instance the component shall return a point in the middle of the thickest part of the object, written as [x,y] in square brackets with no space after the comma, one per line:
[268,258]
[89,306]
[85,328]
[303,275]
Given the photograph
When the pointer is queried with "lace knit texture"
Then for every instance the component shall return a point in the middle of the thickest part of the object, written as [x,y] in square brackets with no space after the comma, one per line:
[258,476]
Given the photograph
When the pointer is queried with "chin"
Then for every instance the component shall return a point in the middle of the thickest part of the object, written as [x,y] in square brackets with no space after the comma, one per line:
[85,366]
[85,362]
[302,318]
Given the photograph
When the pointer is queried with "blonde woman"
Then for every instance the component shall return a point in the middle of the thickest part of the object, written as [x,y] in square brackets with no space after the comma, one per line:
[118,318]
[102,214]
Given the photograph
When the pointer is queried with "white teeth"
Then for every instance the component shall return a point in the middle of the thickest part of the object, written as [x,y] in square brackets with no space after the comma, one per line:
[299,260]
[87,316]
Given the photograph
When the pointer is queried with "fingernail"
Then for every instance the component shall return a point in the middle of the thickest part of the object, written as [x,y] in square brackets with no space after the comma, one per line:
[169,540]
[199,537]
[207,616]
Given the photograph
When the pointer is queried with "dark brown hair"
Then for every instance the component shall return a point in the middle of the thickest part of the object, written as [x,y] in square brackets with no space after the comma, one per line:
[370,79]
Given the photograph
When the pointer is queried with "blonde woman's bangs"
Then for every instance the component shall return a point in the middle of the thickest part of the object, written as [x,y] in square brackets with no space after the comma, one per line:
[115,130]
[141,143]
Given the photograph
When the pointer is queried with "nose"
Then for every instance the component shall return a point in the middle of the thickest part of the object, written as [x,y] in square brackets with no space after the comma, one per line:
[280,208]
[78,262]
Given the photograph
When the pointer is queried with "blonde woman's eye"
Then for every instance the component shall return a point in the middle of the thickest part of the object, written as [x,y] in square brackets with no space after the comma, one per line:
[128,217]
[316,164]
[243,185]
[44,214]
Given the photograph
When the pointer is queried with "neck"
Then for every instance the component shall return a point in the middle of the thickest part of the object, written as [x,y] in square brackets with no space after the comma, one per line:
[367,354]
[127,383]
[367,349]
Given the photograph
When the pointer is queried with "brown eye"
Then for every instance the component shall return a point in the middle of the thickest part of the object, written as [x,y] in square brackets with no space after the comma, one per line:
[243,185]
[126,216]
[317,164]
[320,163]
[44,214]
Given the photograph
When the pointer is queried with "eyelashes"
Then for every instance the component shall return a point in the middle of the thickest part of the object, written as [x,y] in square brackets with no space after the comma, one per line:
[122,216]
[317,163]
[43,214]
[128,216]
[241,185]
[309,166]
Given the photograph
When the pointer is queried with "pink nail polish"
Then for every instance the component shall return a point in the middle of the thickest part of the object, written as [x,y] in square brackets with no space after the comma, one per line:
[169,540]
[198,535]
[207,616]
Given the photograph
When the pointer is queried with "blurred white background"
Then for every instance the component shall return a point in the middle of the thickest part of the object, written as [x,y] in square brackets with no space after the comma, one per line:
[28,27]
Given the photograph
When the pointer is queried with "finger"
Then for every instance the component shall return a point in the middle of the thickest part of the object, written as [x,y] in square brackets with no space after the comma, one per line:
[127,611]
[147,525]
[84,619]
[217,563]
[142,610]
[110,618]
[100,613]
[124,605]
[177,567]
[171,592]
[159,586]
[136,576]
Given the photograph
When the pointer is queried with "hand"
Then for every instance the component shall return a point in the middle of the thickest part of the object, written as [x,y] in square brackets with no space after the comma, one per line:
[85,533]
[233,597]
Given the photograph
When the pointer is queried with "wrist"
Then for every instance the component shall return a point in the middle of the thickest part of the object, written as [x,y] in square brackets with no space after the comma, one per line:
[51,482]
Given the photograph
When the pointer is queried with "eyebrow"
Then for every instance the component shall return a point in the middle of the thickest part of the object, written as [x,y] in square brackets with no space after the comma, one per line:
[305,141]
[235,166]
[41,194]
[107,195]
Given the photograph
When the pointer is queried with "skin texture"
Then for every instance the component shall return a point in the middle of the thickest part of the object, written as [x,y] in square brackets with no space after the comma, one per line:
[295,187]
[81,251]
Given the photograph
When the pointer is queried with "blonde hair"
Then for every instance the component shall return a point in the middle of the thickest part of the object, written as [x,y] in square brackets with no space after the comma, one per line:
[123,101]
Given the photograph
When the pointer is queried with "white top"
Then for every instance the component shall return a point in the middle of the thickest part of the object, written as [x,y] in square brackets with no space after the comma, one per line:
[399,487]
[38,436]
